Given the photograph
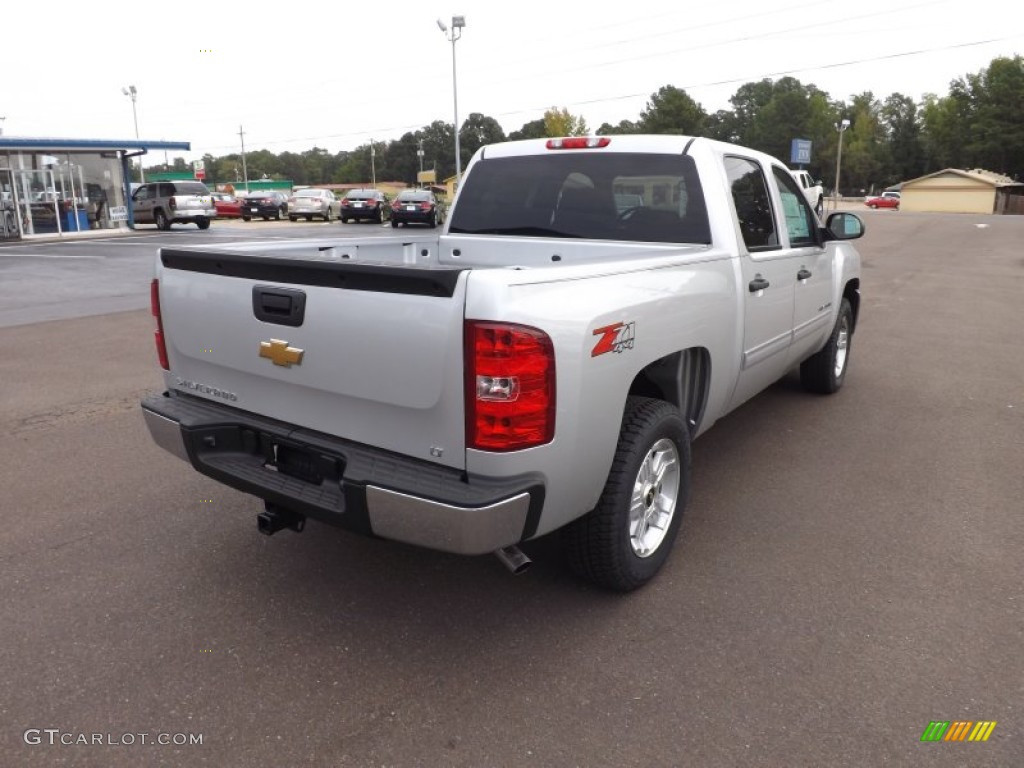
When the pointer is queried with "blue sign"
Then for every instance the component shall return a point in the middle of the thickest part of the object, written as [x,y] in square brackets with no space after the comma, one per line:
[800,152]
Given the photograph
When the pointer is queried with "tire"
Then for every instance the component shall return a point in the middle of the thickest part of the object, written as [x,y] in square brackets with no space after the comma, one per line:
[203,223]
[277,215]
[825,370]
[247,218]
[293,218]
[612,547]
[433,220]
[161,220]
[394,224]
[820,207]
[327,216]
[872,206]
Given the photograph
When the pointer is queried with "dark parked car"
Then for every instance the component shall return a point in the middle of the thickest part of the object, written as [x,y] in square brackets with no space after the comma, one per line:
[415,206]
[365,204]
[269,205]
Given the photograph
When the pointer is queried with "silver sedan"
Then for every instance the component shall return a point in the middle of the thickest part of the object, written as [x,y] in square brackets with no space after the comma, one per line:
[313,202]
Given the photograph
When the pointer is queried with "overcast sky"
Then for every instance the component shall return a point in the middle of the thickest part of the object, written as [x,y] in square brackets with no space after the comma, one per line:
[339,73]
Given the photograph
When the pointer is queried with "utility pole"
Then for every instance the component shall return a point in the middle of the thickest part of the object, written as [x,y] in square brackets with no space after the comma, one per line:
[245,171]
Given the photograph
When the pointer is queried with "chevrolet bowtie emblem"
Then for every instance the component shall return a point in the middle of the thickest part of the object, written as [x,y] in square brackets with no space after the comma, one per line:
[280,353]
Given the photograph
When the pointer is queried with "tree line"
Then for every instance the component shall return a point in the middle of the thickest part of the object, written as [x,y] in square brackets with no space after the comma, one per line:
[979,123]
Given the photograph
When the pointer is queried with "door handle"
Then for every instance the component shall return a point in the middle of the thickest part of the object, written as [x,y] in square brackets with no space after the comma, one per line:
[758,284]
[803,274]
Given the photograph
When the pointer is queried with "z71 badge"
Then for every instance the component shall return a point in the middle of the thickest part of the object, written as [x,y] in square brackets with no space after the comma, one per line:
[614,338]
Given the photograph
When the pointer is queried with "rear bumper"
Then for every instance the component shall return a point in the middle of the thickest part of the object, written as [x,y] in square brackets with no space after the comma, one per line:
[191,214]
[346,484]
[361,213]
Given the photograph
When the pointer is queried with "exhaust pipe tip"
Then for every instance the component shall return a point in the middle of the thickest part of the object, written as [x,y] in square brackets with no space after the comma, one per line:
[514,559]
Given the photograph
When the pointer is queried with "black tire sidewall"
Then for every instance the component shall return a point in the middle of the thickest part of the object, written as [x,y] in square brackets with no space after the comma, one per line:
[611,561]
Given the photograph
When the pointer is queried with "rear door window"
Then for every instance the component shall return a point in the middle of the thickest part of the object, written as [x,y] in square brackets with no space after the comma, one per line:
[753,203]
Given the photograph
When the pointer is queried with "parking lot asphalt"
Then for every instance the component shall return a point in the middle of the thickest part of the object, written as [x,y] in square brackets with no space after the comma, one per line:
[849,567]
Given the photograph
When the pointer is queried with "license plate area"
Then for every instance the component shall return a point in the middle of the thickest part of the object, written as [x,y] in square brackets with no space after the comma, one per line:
[301,463]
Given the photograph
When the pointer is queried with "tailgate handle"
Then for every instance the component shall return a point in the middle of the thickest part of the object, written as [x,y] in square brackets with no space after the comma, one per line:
[281,306]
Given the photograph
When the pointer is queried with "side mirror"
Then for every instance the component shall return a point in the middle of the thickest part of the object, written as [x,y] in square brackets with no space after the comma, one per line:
[844,226]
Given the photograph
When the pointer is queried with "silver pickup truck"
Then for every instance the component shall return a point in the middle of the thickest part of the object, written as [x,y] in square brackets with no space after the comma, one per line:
[542,364]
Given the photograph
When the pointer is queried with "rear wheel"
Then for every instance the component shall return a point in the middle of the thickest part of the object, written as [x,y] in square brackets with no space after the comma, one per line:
[247,218]
[203,223]
[380,215]
[825,370]
[162,222]
[293,218]
[394,224]
[327,216]
[820,207]
[433,220]
[624,541]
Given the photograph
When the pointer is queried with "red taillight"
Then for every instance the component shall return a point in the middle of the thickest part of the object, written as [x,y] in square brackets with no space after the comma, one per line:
[396,206]
[579,142]
[158,334]
[510,386]
[425,206]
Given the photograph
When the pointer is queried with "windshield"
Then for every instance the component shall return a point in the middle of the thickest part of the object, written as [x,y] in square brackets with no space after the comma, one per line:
[595,195]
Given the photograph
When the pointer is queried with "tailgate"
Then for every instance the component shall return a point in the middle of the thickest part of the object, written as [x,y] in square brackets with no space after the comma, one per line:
[367,352]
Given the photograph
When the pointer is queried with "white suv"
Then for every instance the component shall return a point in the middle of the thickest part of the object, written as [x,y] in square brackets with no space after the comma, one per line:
[173,202]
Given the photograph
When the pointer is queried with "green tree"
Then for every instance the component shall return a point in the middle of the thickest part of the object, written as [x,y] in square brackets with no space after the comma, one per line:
[996,141]
[561,122]
[624,127]
[477,131]
[671,110]
[531,130]
[864,146]
[903,131]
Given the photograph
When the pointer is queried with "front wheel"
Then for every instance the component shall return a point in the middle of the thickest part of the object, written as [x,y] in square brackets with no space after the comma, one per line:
[624,541]
[824,371]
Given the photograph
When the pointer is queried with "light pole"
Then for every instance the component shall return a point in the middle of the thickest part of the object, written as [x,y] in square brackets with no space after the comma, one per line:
[130,91]
[841,127]
[419,154]
[245,169]
[373,165]
[458,23]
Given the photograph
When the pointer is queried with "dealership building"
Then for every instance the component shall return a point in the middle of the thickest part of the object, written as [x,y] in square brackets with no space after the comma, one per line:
[68,187]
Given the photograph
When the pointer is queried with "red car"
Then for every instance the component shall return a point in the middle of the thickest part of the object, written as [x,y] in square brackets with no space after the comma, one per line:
[228,206]
[885,200]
